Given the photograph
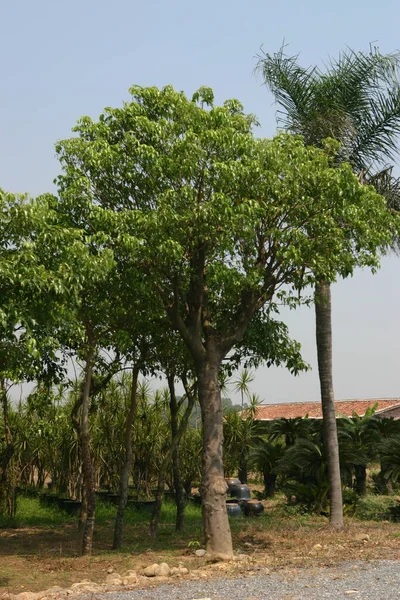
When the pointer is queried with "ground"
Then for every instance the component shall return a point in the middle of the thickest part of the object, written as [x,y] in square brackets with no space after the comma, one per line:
[39,555]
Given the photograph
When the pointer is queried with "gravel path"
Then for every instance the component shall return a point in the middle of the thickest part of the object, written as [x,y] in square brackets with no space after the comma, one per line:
[378,580]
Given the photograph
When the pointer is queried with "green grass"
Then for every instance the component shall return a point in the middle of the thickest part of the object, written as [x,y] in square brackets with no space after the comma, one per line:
[30,512]
[373,507]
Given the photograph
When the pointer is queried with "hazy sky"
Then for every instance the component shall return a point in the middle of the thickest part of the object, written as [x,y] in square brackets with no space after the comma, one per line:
[61,60]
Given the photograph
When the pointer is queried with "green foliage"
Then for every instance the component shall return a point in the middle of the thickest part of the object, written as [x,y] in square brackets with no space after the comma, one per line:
[209,212]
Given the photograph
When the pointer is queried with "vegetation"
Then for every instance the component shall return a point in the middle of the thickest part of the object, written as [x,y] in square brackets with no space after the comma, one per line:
[355,100]
[174,236]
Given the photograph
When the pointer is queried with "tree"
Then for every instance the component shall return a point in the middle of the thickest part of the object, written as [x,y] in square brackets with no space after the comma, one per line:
[291,429]
[356,100]
[221,224]
[363,435]
[241,384]
[264,458]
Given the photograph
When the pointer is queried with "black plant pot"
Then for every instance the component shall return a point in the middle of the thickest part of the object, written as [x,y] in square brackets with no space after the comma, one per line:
[241,491]
[253,508]
[233,509]
[231,482]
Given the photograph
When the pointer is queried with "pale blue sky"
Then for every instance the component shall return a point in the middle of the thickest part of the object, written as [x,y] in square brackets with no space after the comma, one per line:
[60,60]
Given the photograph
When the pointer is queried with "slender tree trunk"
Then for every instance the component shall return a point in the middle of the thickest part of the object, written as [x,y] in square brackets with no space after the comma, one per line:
[213,486]
[242,471]
[126,468]
[269,484]
[360,472]
[88,470]
[323,313]
[8,452]
[176,469]
[155,517]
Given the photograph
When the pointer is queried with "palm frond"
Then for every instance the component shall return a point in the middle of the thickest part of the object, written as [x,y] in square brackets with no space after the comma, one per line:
[291,85]
[378,133]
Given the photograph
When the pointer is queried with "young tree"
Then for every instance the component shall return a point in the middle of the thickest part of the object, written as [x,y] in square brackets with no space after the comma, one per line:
[220,224]
[356,100]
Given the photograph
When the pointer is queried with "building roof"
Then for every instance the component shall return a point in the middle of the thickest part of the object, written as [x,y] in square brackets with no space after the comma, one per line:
[345,408]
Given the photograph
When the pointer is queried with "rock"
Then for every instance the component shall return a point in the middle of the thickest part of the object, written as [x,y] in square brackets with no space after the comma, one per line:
[83,583]
[54,592]
[110,570]
[150,571]
[362,537]
[129,573]
[162,570]
[201,552]
[113,579]
[317,547]
[179,571]
[131,579]
[26,596]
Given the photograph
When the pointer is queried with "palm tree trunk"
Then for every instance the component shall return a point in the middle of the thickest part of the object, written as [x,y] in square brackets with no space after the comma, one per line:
[126,468]
[269,484]
[323,314]
[88,470]
[360,472]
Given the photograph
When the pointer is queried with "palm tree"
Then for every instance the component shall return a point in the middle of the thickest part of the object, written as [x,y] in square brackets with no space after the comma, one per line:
[362,435]
[241,384]
[356,100]
[264,458]
[291,429]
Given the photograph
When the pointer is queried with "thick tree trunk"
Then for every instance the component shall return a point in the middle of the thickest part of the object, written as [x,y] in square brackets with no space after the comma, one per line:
[213,486]
[155,517]
[126,468]
[323,313]
[88,470]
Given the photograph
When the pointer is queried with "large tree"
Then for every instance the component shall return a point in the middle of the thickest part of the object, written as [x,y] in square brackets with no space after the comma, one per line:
[221,224]
[356,100]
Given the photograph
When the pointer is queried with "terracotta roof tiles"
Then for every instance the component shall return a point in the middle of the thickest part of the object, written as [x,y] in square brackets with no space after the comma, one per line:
[268,412]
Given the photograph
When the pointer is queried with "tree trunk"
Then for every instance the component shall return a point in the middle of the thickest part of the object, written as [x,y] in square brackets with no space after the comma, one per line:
[269,484]
[88,471]
[155,517]
[323,313]
[8,452]
[360,472]
[176,469]
[242,471]
[213,486]
[126,468]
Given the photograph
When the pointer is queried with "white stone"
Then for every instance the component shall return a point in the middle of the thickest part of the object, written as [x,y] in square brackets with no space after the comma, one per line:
[162,570]
[150,571]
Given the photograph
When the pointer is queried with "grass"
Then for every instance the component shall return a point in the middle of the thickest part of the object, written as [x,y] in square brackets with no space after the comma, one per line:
[40,548]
